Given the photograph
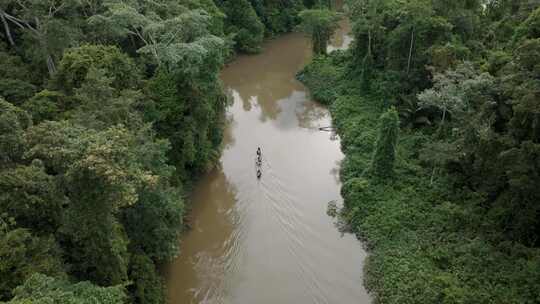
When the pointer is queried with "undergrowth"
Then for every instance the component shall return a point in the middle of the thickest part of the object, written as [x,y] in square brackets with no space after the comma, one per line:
[426,238]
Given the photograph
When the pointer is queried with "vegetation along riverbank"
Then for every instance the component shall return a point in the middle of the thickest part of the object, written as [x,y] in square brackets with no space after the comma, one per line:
[437,105]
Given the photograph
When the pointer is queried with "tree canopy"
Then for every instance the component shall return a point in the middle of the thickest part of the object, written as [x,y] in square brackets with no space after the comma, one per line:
[320,24]
[109,112]
[455,218]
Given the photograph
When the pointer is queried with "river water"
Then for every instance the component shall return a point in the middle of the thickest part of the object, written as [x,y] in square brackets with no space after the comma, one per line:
[270,241]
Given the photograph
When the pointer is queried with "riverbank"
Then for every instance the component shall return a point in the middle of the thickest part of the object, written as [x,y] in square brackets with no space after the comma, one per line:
[427,242]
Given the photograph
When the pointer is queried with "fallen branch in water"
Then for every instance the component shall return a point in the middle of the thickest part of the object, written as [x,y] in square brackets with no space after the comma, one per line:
[327,129]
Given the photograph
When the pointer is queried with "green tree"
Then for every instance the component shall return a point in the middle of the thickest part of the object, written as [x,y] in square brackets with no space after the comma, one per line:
[13,122]
[22,254]
[147,284]
[320,24]
[516,207]
[77,62]
[99,244]
[530,27]
[42,289]
[164,37]
[382,165]
[523,87]
[47,26]
[457,91]
[154,223]
[478,62]
[278,16]
[106,160]
[242,21]
[32,198]
[396,36]
[16,85]
[47,105]
[190,109]
[101,106]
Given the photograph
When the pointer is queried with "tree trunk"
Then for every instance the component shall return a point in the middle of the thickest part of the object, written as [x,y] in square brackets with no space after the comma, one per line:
[410,52]
[432,175]
[6,28]
[318,43]
[443,116]
[369,42]
[442,122]
[51,67]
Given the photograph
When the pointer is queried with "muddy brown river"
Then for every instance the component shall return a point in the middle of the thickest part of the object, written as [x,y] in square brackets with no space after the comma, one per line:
[269,240]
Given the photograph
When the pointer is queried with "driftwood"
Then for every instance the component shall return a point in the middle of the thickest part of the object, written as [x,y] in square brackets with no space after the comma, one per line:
[327,129]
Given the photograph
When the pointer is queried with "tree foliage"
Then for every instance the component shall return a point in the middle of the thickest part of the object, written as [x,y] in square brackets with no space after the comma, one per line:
[278,16]
[244,24]
[47,26]
[77,62]
[320,24]
[22,254]
[384,155]
[459,222]
[147,286]
[457,92]
[32,198]
[13,122]
[109,110]
[16,87]
[42,289]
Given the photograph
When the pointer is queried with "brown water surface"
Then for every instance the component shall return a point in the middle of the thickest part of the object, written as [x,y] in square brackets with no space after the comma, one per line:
[270,241]
[342,39]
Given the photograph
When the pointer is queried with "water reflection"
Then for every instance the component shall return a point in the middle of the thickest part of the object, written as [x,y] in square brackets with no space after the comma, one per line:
[228,137]
[268,77]
[311,115]
[198,272]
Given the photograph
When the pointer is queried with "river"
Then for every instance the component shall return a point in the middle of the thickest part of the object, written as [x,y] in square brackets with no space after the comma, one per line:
[270,241]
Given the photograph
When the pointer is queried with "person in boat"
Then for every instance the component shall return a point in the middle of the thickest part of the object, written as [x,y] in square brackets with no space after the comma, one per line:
[259,157]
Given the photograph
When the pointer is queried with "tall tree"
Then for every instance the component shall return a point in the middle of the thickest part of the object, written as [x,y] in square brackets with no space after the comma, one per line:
[382,164]
[106,160]
[457,91]
[23,254]
[32,198]
[47,24]
[13,122]
[164,37]
[320,24]
[242,22]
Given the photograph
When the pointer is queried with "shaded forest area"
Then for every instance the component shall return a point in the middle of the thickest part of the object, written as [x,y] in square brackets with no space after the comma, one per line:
[438,107]
[109,111]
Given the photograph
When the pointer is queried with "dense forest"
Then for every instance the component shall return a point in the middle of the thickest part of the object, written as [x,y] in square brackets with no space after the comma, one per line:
[438,107]
[109,111]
